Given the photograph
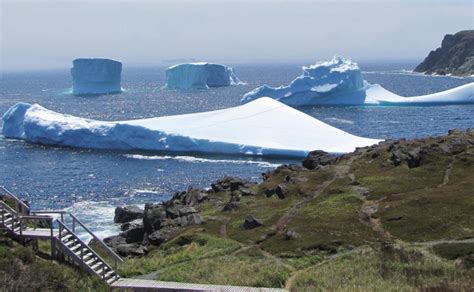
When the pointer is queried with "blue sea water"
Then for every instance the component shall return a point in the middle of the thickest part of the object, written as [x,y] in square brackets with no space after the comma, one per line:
[91,183]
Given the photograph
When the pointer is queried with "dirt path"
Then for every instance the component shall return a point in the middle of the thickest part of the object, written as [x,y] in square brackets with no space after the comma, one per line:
[447,173]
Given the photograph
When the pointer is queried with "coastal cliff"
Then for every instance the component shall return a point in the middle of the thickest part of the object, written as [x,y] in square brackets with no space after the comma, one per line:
[454,57]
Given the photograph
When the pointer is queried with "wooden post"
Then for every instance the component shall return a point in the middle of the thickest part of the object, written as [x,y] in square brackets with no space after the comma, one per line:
[21,225]
[53,243]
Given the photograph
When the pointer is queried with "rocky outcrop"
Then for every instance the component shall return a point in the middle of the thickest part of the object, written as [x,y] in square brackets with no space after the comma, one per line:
[317,159]
[251,222]
[127,214]
[455,56]
[156,223]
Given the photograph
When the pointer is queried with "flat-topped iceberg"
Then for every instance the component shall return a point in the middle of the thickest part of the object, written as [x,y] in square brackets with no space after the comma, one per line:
[261,127]
[340,82]
[96,76]
[200,76]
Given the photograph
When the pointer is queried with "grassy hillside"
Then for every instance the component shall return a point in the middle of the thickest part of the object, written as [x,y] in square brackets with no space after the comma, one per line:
[23,270]
[396,216]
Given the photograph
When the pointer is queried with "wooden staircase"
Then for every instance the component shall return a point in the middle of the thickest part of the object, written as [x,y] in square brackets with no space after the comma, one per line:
[23,224]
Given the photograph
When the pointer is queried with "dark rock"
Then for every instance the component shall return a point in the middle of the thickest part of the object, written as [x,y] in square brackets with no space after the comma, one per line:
[412,156]
[131,224]
[217,188]
[281,191]
[172,212]
[194,197]
[114,241]
[247,192]
[318,158]
[231,206]
[453,132]
[134,233]
[160,236]
[186,210]
[127,213]
[269,192]
[455,56]
[394,218]
[131,249]
[195,219]
[251,222]
[155,215]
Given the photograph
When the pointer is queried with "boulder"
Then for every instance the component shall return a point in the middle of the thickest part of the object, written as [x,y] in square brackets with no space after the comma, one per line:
[247,192]
[281,191]
[155,216]
[127,214]
[317,159]
[160,236]
[251,222]
[134,233]
[233,205]
[131,249]
[114,241]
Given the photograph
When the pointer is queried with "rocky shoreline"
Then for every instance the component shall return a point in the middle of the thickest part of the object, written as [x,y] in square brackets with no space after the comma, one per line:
[148,228]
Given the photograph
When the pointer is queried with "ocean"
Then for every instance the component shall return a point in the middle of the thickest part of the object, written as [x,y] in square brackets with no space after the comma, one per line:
[91,183]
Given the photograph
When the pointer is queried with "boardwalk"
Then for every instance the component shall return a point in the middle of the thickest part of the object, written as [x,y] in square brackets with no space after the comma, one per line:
[148,285]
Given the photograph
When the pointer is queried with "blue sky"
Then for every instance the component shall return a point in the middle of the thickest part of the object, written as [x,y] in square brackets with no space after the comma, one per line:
[49,34]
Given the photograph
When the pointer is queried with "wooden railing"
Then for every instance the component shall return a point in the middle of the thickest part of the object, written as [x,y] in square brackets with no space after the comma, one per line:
[21,218]
[20,206]
[62,227]
[117,259]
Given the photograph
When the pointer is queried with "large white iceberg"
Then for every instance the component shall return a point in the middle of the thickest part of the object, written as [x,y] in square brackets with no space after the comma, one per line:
[200,76]
[96,76]
[261,127]
[340,82]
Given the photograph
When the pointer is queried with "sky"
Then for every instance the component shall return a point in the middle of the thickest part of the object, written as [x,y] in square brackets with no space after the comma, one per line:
[50,34]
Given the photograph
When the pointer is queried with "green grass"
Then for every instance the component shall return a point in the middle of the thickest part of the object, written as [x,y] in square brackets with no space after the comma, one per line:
[327,224]
[369,270]
[430,214]
[22,270]
[230,270]
[184,248]
[454,251]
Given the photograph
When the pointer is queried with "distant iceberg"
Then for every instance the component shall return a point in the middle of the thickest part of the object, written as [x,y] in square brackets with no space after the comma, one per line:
[96,76]
[340,82]
[200,76]
[261,127]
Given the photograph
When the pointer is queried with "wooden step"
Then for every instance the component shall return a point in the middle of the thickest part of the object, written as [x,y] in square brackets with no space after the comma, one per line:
[112,279]
[84,254]
[71,243]
[89,256]
[67,237]
[98,266]
[91,261]
[78,247]
[108,275]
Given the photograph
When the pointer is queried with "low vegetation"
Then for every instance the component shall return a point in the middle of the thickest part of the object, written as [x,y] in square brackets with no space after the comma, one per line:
[22,270]
[397,216]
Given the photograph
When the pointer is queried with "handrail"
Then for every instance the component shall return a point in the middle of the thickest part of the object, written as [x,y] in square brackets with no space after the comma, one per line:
[18,201]
[34,217]
[83,244]
[10,209]
[48,212]
[109,250]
